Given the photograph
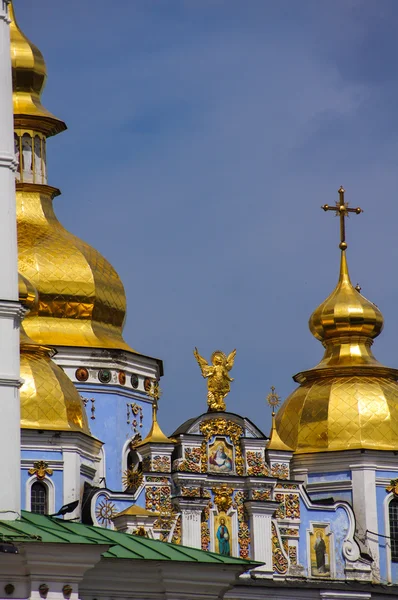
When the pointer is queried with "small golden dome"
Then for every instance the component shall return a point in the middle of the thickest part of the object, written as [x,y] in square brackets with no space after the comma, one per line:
[349,400]
[29,76]
[345,312]
[49,400]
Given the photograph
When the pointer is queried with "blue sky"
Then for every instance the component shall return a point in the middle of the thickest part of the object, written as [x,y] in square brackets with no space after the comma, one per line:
[204,135]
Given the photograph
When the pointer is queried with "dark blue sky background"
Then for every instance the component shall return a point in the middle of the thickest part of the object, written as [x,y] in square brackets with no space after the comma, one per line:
[203,137]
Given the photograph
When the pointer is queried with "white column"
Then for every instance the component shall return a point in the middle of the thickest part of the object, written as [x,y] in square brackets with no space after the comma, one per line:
[260,514]
[191,512]
[10,309]
[71,480]
[365,509]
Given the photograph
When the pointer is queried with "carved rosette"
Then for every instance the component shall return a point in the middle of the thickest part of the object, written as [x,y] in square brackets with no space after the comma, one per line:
[214,427]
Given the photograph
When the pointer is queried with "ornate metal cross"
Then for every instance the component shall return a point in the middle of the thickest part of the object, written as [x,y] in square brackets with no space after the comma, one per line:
[343,211]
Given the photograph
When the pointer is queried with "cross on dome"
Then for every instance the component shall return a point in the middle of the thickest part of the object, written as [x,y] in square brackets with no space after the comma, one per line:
[342,209]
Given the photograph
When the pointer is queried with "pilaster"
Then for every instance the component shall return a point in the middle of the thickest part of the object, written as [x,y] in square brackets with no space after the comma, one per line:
[191,513]
[10,309]
[260,514]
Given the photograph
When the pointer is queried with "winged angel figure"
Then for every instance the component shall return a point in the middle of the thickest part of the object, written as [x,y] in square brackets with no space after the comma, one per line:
[218,384]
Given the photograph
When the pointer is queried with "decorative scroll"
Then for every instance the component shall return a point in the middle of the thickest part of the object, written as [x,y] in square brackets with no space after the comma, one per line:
[205,535]
[190,492]
[293,555]
[176,539]
[279,560]
[280,512]
[393,487]
[243,531]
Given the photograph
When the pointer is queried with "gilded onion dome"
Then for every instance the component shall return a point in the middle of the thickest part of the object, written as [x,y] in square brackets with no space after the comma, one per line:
[81,297]
[349,400]
[49,400]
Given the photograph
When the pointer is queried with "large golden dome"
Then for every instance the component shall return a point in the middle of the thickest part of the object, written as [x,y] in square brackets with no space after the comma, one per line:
[349,400]
[81,297]
[49,400]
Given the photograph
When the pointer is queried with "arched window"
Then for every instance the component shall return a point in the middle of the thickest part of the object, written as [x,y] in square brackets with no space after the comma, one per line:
[39,498]
[393,515]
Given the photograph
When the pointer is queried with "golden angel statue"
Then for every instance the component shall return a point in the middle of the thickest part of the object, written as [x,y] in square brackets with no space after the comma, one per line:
[218,384]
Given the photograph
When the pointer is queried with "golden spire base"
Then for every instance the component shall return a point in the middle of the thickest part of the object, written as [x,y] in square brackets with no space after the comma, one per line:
[155,435]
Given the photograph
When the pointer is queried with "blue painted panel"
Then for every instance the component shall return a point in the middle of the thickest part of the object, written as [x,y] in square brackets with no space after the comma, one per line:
[339,523]
[110,426]
[334,476]
[41,455]
[387,474]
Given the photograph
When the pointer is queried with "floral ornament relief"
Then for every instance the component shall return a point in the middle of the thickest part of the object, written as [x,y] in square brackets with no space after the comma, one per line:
[220,427]
[161,464]
[190,463]
[243,530]
[40,469]
[255,464]
[280,470]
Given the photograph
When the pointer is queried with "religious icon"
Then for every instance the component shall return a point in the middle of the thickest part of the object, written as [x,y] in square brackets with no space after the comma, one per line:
[223,536]
[320,552]
[220,457]
[218,384]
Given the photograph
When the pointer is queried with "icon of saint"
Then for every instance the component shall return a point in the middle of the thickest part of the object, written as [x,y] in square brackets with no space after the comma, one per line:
[220,460]
[223,538]
[320,553]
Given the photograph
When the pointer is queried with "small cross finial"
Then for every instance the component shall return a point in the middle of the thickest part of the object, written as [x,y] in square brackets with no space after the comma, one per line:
[341,208]
[273,399]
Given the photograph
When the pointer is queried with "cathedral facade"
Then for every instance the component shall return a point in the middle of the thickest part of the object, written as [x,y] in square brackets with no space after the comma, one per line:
[314,501]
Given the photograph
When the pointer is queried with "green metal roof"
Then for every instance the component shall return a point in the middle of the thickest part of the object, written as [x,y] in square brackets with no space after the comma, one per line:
[39,528]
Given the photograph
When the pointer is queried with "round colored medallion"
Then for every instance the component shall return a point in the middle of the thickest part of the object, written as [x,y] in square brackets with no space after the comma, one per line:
[81,374]
[122,377]
[104,375]
[135,381]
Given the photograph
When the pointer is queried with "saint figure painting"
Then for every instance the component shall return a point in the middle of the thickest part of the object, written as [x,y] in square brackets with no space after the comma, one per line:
[223,538]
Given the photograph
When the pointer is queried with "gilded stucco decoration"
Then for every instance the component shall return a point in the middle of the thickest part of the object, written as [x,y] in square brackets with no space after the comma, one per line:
[220,426]
[393,487]
[349,400]
[218,379]
[280,470]
[255,464]
[261,495]
[132,479]
[279,559]
[161,464]
[240,498]
[176,539]
[105,512]
[190,463]
[223,498]
[40,469]
[157,499]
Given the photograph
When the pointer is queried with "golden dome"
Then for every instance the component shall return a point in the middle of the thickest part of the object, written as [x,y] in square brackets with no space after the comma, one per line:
[81,297]
[29,76]
[49,400]
[349,400]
